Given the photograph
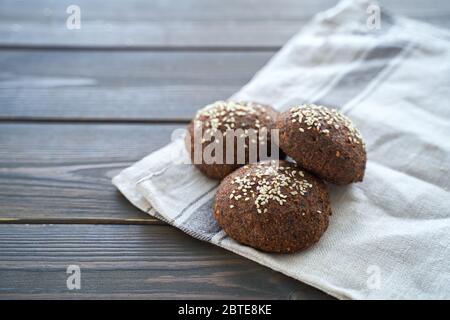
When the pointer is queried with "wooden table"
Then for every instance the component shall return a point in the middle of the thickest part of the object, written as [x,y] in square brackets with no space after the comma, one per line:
[77,106]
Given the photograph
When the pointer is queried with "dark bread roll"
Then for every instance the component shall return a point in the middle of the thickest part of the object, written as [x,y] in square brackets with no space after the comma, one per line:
[273,206]
[223,116]
[323,141]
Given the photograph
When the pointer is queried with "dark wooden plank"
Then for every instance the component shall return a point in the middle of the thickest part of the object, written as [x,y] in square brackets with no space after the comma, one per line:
[157,22]
[62,172]
[131,262]
[194,23]
[120,85]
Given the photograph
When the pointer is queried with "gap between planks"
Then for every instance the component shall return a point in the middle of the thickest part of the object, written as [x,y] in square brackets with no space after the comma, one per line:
[56,120]
[85,221]
[215,48]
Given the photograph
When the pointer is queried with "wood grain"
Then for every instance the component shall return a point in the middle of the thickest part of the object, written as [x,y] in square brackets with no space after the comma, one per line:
[156,23]
[131,262]
[131,86]
[62,172]
[93,111]
[192,23]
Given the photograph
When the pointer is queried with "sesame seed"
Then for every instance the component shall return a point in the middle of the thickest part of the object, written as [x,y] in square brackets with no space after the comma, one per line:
[315,116]
[272,185]
[220,115]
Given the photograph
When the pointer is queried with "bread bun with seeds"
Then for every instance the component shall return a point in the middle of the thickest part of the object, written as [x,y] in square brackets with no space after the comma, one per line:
[324,142]
[273,206]
[223,117]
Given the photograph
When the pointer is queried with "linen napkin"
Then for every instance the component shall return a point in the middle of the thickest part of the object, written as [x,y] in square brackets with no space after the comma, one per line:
[389,236]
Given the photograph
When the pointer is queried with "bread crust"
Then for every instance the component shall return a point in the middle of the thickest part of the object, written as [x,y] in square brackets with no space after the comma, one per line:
[245,115]
[323,142]
[294,218]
